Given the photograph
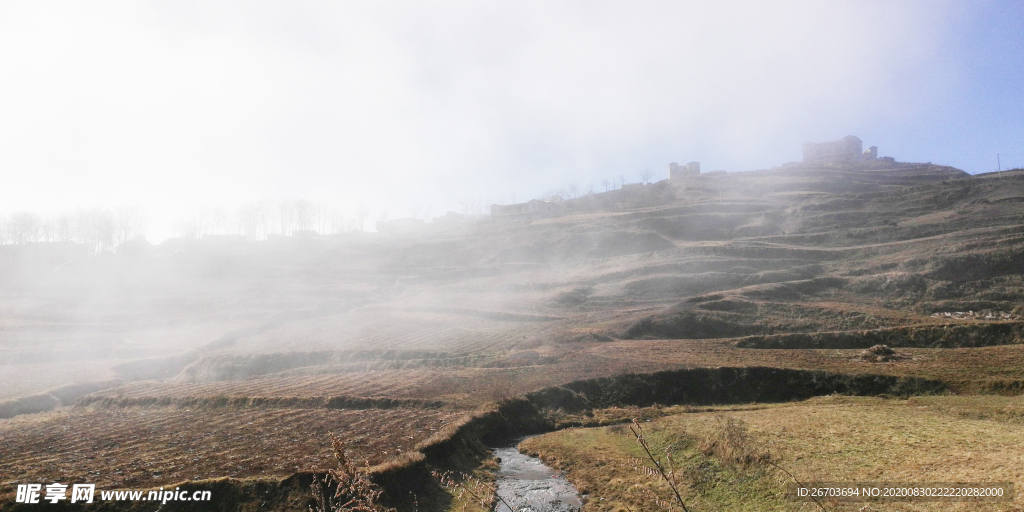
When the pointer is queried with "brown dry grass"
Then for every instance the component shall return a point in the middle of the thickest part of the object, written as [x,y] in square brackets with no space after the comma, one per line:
[844,439]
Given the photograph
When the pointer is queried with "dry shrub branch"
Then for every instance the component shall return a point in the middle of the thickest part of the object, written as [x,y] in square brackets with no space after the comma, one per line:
[658,469]
[476,490]
[353,490]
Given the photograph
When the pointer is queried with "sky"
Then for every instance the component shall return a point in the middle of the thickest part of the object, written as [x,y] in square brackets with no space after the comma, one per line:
[421,107]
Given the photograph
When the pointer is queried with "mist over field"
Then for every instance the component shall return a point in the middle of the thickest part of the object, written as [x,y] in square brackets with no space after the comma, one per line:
[231,233]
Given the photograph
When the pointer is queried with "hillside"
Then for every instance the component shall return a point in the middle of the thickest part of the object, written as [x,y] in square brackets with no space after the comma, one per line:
[234,359]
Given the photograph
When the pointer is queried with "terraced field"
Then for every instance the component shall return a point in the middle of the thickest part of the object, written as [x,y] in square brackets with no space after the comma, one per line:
[117,447]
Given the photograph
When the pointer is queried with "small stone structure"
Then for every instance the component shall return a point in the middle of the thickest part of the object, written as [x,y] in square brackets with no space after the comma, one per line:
[846,149]
[676,171]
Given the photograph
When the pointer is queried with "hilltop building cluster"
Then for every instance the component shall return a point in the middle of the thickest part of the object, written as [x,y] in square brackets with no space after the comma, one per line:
[849,149]
[846,149]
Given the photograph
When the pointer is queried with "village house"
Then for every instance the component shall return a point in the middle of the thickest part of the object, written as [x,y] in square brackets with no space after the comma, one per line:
[676,171]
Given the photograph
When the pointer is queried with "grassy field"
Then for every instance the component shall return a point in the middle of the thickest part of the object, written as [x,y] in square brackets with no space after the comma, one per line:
[827,439]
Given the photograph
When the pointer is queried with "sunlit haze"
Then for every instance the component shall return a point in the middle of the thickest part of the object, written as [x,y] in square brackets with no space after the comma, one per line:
[412,109]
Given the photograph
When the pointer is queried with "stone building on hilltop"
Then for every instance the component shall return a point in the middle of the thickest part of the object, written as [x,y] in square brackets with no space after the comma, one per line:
[846,149]
[676,171]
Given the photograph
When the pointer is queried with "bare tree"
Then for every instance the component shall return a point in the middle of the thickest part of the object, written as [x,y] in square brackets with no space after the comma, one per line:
[360,216]
[286,217]
[218,221]
[607,185]
[204,219]
[254,220]
[303,211]
[265,218]
[186,228]
[65,225]
[324,217]
[24,227]
[48,229]
[646,175]
[96,229]
[572,190]
[130,223]
[339,222]
[247,221]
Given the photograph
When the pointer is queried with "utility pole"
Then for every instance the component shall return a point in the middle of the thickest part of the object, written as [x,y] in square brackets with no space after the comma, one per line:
[1000,164]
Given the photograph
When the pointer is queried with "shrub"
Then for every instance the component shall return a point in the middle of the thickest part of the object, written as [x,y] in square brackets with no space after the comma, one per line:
[353,490]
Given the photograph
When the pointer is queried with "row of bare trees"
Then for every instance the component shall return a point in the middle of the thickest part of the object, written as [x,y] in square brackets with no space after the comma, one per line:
[98,228]
[103,229]
[256,220]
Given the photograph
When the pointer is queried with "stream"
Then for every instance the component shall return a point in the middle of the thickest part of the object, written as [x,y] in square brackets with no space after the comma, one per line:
[527,484]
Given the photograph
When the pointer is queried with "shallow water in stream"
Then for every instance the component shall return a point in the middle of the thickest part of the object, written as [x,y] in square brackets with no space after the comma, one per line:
[527,484]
